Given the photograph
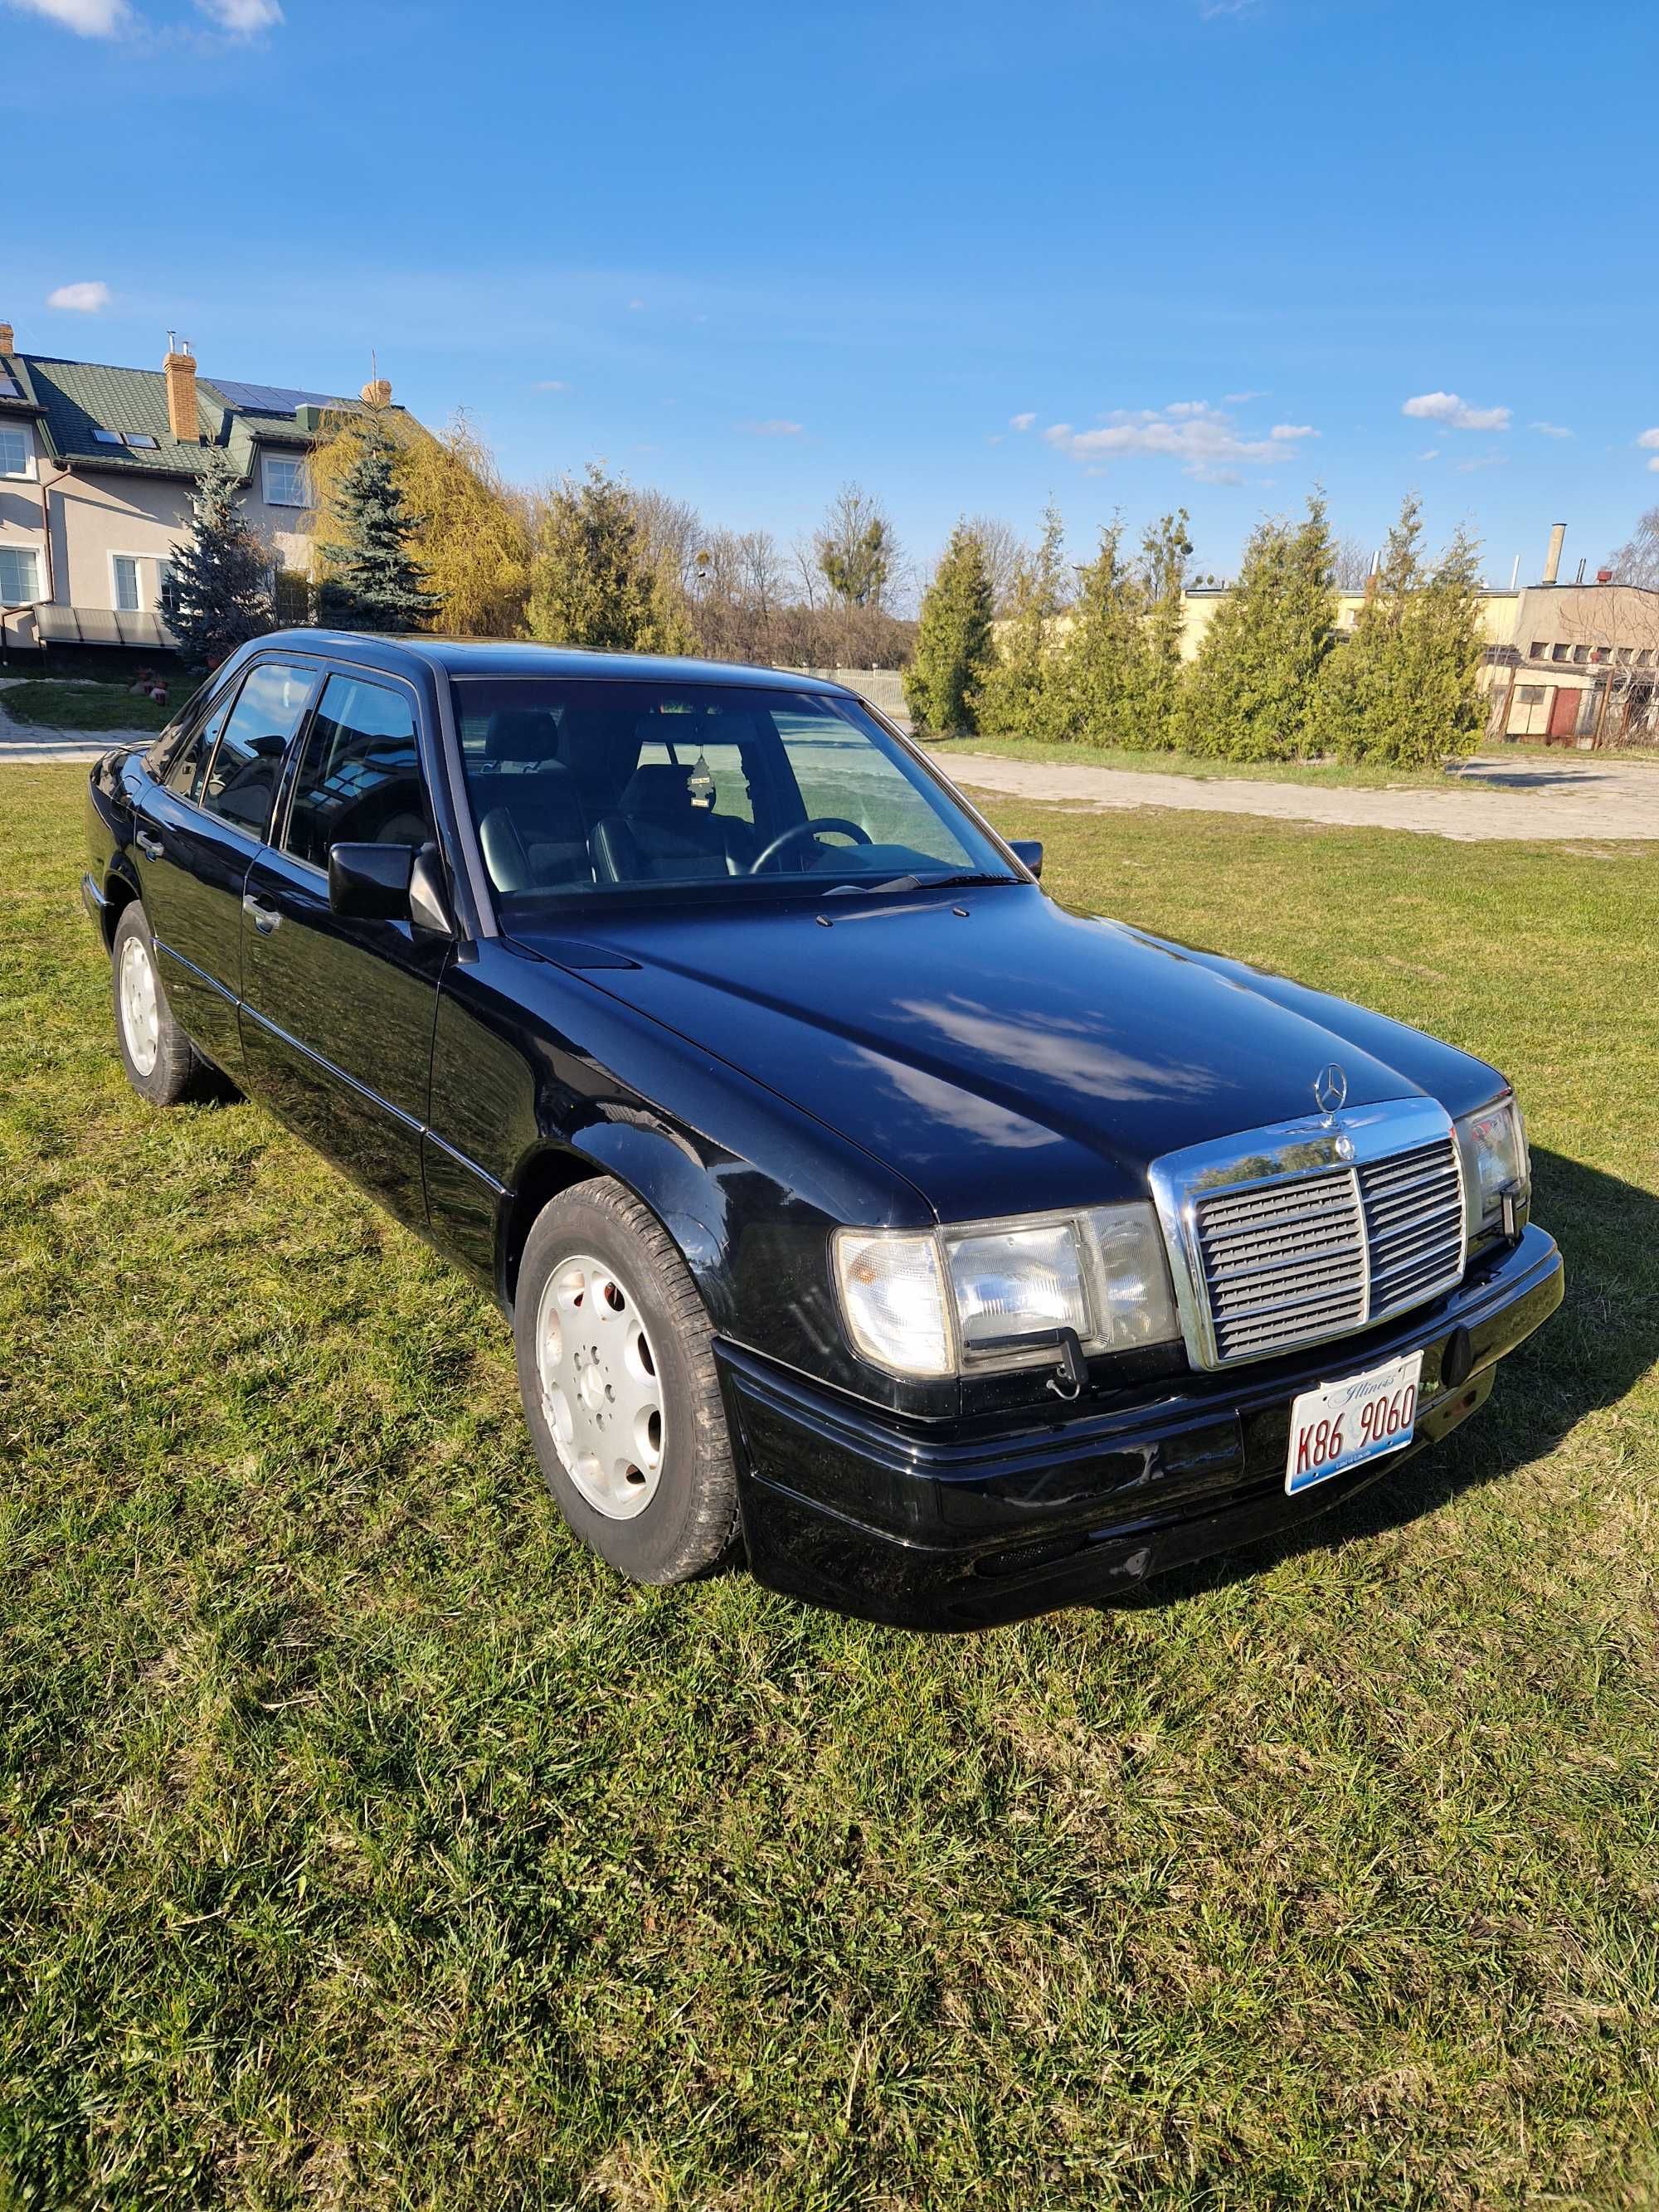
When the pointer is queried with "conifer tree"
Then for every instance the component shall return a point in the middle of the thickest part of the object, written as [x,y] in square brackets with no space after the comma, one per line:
[1406,688]
[953,640]
[372,580]
[216,595]
[1017,693]
[593,581]
[1165,550]
[1250,694]
[1101,674]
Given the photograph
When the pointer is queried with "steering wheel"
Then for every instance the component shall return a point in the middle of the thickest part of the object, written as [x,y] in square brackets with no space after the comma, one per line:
[809,829]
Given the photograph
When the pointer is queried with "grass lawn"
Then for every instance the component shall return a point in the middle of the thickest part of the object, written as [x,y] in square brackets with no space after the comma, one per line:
[1347,776]
[364,1842]
[54,703]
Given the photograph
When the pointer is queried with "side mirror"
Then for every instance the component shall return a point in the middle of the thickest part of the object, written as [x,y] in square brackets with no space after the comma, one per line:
[1029,850]
[370,883]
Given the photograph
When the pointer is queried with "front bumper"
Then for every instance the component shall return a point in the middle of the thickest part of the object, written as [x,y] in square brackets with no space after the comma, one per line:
[897,1522]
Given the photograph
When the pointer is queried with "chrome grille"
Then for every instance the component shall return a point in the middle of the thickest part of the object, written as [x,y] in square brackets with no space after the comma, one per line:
[1282,1263]
[1290,1235]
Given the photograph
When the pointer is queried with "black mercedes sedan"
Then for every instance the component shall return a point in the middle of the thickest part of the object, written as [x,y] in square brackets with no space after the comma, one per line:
[950,1254]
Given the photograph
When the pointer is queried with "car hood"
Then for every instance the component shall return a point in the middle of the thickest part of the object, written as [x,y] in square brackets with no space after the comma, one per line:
[1003,1054]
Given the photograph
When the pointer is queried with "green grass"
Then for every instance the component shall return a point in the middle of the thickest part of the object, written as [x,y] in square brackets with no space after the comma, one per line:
[1350,775]
[50,703]
[363,1842]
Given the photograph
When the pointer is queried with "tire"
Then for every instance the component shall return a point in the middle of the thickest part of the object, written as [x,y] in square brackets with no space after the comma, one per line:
[161,1063]
[599,1276]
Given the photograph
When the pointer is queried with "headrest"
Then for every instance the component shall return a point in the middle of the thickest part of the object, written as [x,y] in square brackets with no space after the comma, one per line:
[595,744]
[659,792]
[521,733]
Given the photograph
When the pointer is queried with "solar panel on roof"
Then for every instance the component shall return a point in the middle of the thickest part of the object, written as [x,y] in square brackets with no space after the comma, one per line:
[272,398]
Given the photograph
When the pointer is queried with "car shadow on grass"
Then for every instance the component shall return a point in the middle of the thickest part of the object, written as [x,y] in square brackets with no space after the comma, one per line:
[1590,1354]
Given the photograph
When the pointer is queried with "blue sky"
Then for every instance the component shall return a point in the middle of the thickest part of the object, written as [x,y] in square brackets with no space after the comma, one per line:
[1128,256]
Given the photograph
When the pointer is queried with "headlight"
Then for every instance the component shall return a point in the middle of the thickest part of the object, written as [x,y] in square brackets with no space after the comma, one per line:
[997,1293]
[1493,1146]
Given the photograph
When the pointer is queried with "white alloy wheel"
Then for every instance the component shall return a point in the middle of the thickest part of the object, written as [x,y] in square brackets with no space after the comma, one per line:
[602,1393]
[141,1020]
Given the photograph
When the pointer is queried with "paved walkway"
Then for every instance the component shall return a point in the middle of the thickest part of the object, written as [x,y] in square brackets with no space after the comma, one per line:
[1574,795]
[26,742]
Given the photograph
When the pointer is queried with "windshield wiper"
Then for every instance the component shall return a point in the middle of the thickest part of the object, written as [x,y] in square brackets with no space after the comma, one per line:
[952,882]
[852,887]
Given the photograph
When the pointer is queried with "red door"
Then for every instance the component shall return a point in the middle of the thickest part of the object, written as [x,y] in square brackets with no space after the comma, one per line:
[1564,714]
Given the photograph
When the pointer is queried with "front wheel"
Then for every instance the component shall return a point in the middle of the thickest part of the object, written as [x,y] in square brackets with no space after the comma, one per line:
[616,1370]
[161,1063]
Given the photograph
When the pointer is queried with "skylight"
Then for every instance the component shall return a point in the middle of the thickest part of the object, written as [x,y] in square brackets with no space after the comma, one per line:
[140,441]
[107,437]
[10,388]
[139,438]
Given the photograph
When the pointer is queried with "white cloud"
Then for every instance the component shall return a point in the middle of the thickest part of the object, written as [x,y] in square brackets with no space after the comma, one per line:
[1204,439]
[1241,398]
[1654,464]
[1286,433]
[635,306]
[777,427]
[1550,429]
[1021,421]
[1212,9]
[1482,461]
[88,19]
[79,299]
[1456,414]
[552,384]
[1649,438]
[243,19]
[1432,454]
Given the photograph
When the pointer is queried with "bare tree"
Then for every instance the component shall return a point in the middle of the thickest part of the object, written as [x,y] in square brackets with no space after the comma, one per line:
[1351,564]
[672,530]
[1001,548]
[857,549]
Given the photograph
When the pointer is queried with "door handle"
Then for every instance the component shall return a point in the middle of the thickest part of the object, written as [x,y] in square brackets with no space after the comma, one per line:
[151,847]
[265,918]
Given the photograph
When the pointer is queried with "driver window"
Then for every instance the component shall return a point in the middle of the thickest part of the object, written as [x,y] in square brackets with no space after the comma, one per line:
[247,761]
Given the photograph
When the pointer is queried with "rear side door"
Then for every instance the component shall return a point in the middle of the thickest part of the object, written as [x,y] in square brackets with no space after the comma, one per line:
[195,838]
[337,1012]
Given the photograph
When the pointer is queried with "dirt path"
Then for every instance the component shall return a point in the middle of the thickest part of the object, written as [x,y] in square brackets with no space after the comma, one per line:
[1579,797]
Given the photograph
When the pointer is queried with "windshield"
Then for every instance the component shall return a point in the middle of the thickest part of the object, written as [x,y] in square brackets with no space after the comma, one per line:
[588,786]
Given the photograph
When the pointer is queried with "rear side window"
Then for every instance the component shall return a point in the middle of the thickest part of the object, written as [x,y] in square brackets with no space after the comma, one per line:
[188,766]
[247,761]
[360,776]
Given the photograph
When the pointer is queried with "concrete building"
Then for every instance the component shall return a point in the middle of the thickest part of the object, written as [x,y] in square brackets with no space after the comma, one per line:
[1572,664]
[97,469]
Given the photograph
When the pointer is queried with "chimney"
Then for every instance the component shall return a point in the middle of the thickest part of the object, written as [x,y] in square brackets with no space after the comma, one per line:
[8,339]
[377,392]
[1558,539]
[179,370]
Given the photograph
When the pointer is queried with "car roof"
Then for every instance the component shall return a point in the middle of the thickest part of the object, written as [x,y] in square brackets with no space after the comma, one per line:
[467,656]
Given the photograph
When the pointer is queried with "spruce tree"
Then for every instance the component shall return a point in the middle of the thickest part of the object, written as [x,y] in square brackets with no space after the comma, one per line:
[373,581]
[1017,695]
[1250,694]
[593,579]
[216,595]
[953,640]
[1405,688]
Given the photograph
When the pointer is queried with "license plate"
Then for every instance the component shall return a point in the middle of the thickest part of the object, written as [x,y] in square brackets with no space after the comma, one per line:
[1342,1425]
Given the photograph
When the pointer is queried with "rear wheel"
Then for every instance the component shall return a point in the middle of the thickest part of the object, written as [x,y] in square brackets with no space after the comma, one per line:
[616,1369]
[161,1063]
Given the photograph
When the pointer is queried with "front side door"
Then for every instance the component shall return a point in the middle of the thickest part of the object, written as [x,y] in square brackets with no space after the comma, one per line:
[337,1012]
[198,832]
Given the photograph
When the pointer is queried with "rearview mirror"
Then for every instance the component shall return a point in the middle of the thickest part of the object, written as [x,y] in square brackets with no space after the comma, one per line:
[1029,850]
[370,883]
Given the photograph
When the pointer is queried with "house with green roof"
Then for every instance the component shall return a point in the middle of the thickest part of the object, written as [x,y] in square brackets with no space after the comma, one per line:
[97,469]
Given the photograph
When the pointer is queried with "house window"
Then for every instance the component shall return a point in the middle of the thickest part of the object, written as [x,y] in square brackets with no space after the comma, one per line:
[15,457]
[1558,651]
[20,576]
[1581,655]
[125,569]
[1539,648]
[1645,658]
[285,482]
[1600,654]
[1532,694]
